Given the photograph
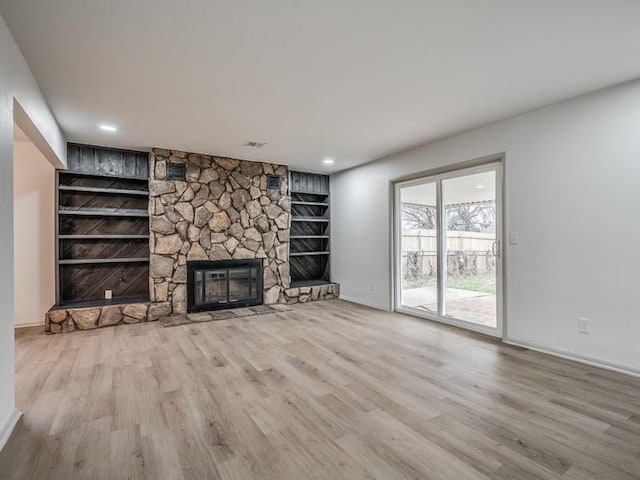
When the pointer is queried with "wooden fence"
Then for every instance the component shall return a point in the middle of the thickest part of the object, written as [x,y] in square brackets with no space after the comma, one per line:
[468,253]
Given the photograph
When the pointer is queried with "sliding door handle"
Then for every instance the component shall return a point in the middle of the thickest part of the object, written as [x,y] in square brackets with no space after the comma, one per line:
[495,248]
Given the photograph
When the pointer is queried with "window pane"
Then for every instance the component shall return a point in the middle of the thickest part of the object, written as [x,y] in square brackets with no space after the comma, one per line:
[469,204]
[418,246]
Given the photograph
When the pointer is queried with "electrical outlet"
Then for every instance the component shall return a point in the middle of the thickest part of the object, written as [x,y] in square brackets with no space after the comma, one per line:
[372,286]
[583,326]
[108,294]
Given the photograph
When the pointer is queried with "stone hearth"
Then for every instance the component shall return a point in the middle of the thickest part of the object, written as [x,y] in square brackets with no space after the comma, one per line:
[312,293]
[62,320]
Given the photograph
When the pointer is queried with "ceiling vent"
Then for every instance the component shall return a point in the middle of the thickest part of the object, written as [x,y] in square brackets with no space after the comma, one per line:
[253,144]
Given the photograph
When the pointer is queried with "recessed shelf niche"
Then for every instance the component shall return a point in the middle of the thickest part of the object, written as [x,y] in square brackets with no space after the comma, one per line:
[102,226]
[310,229]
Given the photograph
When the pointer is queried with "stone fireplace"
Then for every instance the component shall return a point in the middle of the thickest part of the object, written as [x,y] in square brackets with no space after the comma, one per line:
[223,209]
[204,211]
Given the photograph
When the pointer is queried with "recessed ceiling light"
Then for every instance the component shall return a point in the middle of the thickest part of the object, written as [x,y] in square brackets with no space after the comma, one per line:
[328,161]
[108,128]
[480,186]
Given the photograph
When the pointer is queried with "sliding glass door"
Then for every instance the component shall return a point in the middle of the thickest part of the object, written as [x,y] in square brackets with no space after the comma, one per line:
[447,240]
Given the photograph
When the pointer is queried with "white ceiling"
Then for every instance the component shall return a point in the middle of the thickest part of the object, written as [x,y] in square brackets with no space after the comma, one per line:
[351,79]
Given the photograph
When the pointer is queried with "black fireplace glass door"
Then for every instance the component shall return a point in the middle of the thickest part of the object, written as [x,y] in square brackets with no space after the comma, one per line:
[198,286]
[239,285]
[243,284]
[229,283]
[210,286]
[215,288]
[255,286]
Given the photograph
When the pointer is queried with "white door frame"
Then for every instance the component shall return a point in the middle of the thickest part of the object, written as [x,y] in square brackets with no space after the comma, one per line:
[496,166]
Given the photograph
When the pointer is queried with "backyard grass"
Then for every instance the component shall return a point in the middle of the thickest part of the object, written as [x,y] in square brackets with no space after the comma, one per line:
[485,282]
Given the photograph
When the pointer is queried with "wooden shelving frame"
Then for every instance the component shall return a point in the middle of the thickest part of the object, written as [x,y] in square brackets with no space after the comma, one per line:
[310,229]
[102,226]
[104,212]
[114,191]
[85,261]
[308,253]
[101,237]
[309,219]
[319,204]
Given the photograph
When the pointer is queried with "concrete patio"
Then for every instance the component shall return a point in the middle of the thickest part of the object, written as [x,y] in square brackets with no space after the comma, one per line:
[467,305]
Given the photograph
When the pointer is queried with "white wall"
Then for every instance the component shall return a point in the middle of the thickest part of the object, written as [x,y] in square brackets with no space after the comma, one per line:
[17,88]
[34,234]
[572,174]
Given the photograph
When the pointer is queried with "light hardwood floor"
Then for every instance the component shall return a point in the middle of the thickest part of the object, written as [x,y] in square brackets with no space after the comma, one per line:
[327,391]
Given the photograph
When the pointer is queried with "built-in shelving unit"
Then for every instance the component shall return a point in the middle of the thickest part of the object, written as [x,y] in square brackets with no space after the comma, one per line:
[103,226]
[310,235]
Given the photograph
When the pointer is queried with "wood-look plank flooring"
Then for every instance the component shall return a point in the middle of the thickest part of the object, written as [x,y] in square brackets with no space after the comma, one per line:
[327,391]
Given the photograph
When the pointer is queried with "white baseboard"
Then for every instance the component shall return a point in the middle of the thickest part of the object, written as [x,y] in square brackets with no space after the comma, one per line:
[28,325]
[593,362]
[7,427]
[363,302]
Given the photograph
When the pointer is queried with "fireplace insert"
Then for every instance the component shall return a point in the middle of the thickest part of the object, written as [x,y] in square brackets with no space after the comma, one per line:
[214,285]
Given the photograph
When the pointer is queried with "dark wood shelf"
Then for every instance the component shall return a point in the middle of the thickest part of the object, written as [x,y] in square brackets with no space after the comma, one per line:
[315,204]
[309,219]
[106,175]
[110,191]
[306,254]
[103,237]
[104,212]
[309,283]
[300,237]
[84,261]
